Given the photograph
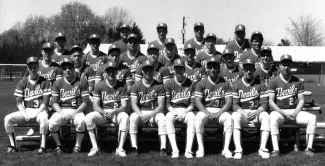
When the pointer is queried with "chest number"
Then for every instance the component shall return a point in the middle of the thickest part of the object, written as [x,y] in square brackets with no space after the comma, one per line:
[76,102]
[253,104]
[291,101]
[36,103]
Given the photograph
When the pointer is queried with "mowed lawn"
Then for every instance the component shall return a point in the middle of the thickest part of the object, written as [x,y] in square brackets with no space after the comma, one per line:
[149,150]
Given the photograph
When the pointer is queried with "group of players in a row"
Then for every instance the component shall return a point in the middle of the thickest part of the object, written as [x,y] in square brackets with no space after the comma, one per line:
[129,89]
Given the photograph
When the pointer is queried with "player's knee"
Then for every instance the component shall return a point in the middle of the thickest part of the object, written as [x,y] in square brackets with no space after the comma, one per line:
[200,116]
[312,119]
[170,116]
[134,118]
[236,116]
[7,119]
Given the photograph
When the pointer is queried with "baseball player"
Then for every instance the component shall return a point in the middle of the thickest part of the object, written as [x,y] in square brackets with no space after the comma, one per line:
[193,70]
[161,72]
[198,41]
[239,44]
[169,54]
[148,102]
[213,98]
[162,31]
[180,105]
[110,104]
[94,58]
[60,52]
[32,98]
[70,97]
[286,99]
[230,71]
[210,51]
[250,105]
[124,33]
[266,70]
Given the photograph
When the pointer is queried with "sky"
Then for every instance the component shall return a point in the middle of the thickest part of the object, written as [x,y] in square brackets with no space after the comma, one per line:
[219,16]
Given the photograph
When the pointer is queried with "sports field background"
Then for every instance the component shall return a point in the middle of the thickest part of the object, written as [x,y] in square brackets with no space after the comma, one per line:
[149,150]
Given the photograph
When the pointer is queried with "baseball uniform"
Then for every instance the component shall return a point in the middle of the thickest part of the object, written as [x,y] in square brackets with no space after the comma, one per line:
[123,74]
[194,72]
[87,73]
[231,75]
[51,72]
[203,56]
[58,57]
[250,54]
[238,49]
[265,75]
[159,44]
[122,45]
[132,62]
[161,73]
[95,61]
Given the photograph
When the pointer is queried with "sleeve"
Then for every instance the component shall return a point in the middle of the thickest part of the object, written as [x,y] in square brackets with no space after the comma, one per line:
[59,73]
[167,87]
[99,74]
[55,92]
[97,91]
[138,72]
[235,96]
[228,89]
[243,57]
[124,94]
[301,88]
[84,90]
[46,92]
[91,77]
[272,86]
[199,90]
[193,93]
[161,91]
[128,75]
[134,90]
[19,91]
[165,73]
[263,97]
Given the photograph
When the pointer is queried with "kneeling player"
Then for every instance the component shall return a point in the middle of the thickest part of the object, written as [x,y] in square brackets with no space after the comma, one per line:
[70,98]
[286,99]
[213,98]
[250,106]
[180,105]
[32,98]
[110,103]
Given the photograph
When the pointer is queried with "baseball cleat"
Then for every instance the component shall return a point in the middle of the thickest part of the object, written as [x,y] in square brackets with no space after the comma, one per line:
[120,152]
[238,155]
[134,151]
[58,150]
[163,152]
[227,154]
[275,153]
[188,155]
[11,149]
[30,132]
[264,154]
[41,151]
[175,154]
[93,152]
[77,149]
[199,154]
[310,152]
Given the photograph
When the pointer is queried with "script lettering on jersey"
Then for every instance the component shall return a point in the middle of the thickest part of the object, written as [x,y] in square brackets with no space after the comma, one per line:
[157,77]
[150,96]
[194,76]
[73,92]
[217,93]
[288,92]
[119,76]
[171,69]
[183,94]
[30,93]
[133,66]
[252,93]
[232,80]
[114,96]
[96,65]
[49,76]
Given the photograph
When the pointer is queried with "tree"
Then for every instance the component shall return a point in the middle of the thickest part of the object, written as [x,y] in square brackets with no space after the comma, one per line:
[284,42]
[268,43]
[136,30]
[306,31]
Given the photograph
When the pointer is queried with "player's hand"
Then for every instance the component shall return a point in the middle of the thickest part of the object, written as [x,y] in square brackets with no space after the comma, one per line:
[180,117]
[27,118]
[212,118]
[108,115]
[290,117]
[66,117]
[144,119]
[251,116]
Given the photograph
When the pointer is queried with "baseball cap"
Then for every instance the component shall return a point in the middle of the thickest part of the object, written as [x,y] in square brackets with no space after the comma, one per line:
[240,27]
[94,36]
[179,62]
[210,35]
[113,47]
[32,59]
[255,33]
[47,45]
[124,26]
[213,60]
[286,57]
[188,46]
[169,41]
[60,35]
[266,48]
[132,35]
[198,24]
[75,48]
[147,63]
[152,46]
[227,51]
[66,60]
[162,25]
[110,64]
[248,62]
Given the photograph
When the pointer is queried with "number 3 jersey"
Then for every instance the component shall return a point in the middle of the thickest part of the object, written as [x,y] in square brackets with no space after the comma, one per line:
[147,94]
[213,93]
[249,95]
[110,96]
[70,94]
[286,91]
[33,93]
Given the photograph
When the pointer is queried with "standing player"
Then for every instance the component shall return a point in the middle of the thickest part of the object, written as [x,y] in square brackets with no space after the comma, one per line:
[32,98]
[198,40]
[250,105]
[94,58]
[193,70]
[161,72]
[110,105]
[230,71]
[180,105]
[210,51]
[266,70]
[169,54]
[124,33]
[162,31]
[239,44]
[286,99]
[148,102]
[60,52]
[70,98]
[213,98]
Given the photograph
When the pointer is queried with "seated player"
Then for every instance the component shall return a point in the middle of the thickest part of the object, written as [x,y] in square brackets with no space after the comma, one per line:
[286,98]
[213,98]
[32,98]
[180,105]
[148,102]
[250,103]
[70,99]
[110,104]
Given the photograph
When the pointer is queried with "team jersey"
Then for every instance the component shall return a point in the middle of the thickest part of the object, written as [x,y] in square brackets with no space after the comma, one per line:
[265,75]
[163,59]
[212,93]
[148,94]
[122,45]
[249,95]
[132,62]
[95,61]
[238,49]
[250,54]
[161,72]
[33,93]
[203,56]
[286,92]
[231,75]
[87,73]
[180,94]
[194,72]
[160,45]
[198,45]
[110,96]
[123,74]
[50,72]
[58,57]
[70,94]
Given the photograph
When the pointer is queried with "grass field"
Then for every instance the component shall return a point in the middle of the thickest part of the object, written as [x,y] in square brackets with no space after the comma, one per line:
[150,153]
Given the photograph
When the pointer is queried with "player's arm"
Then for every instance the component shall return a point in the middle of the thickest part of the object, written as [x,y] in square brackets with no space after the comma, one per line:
[263,99]
[228,98]
[128,81]
[198,99]
[160,108]
[236,102]
[97,107]
[165,74]
[301,99]
[138,74]
[59,73]
[190,108]
[169,106]
[84,96]
[124,102]
[91,80]
[134,100]
[19,93]
[99,75]
[46,97]
[274,106]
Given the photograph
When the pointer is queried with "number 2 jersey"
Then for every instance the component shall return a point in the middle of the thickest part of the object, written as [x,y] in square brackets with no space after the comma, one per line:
[70,94]
[212,93]
[33,93]
[110,96]
[249,95]
[286,91]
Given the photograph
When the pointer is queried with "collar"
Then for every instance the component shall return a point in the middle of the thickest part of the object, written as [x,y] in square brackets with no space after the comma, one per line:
[46,65]
[33,82]
[65,79]
[262,68]
[231,70]
[147,85]
[110,85]
[209,53]
[254,53]
[188,66]
[130,56]
[160,42]
[213,83]
[57,52]
[179,83]
[91,53]
[198,42]
[238,43]
[170,59]
[247,84]
[283,79]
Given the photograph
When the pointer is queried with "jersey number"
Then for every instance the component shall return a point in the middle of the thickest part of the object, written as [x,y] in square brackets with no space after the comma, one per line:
[253,104]
[36,103]
[76,102]
[291,100]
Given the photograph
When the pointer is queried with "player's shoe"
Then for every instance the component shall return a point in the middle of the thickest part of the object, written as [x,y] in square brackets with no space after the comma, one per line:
[77,149]
[264,153]
[175,154]
[11,149]
[93,152]
[199,154]
[227,154]
[58,150]
[238,155]
[275,153]
[310,152]
[41,151]
[134,151]
[120,152]
[30,132]
[163,152]
[188,155]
